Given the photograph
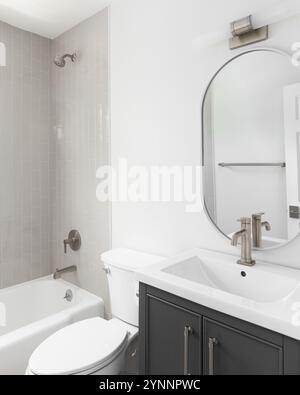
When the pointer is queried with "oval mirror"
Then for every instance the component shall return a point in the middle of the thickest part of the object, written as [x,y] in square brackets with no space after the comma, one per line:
[251,147]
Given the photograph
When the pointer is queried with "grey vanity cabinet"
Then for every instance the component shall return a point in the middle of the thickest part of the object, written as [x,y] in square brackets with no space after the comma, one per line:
[173,339]
[179,337]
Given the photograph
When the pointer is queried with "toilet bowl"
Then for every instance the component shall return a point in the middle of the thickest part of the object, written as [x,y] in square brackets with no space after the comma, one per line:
[98,346]
[91,347]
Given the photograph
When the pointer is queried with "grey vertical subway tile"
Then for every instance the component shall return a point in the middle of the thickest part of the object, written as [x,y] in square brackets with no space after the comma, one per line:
[24,135]
[78,100]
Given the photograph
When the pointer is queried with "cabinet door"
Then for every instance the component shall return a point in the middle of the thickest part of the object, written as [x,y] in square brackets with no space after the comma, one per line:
[230,352]
[173,339]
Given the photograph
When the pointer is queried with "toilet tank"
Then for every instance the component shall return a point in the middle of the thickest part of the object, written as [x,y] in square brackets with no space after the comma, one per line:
[121,266]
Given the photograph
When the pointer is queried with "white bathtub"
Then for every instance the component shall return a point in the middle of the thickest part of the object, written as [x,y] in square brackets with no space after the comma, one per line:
[31,312]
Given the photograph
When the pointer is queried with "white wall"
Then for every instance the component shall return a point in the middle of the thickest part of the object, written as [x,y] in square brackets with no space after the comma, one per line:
[158,76]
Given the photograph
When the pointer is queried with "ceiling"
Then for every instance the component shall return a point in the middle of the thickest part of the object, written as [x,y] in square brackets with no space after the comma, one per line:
[49,18]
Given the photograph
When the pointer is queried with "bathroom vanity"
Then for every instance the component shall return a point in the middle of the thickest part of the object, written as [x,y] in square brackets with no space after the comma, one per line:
[179,337]
[211,331]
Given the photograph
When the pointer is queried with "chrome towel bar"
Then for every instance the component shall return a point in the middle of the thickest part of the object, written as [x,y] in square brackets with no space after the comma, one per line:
[281,164]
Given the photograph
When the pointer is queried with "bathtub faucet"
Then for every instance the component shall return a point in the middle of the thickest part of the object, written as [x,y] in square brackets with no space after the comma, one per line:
[58,273]
[73,241]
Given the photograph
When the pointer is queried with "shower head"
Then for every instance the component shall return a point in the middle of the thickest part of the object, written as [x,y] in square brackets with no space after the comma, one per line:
[60,61]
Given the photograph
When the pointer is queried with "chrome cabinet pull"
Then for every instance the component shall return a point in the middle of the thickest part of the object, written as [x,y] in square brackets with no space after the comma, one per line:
[212,342]
[187,332]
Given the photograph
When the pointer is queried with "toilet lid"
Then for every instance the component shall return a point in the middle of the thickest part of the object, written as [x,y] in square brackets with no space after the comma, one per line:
[80,347]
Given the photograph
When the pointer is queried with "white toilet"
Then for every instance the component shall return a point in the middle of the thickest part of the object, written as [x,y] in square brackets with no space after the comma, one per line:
[97,346]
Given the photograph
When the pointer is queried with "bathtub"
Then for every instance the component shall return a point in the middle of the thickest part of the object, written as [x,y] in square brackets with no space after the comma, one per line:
[31,312]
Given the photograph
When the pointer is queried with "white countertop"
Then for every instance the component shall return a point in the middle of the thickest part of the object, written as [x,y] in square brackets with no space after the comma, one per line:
[282,316]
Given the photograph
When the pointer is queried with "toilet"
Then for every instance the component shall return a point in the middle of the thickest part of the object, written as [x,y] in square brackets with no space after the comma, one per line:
[97,346]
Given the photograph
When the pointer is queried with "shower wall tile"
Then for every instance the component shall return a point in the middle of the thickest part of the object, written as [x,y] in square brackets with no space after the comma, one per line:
[24,157]
[54,134]
[79,145]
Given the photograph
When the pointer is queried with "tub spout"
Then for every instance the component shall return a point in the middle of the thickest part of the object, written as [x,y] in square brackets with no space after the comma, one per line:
[58,273]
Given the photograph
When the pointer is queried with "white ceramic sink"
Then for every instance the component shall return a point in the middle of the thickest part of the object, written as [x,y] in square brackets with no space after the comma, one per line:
[266,295]
[258,283]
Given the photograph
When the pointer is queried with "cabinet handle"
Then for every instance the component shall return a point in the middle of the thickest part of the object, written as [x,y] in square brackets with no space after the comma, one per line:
[187,332]
[212,342]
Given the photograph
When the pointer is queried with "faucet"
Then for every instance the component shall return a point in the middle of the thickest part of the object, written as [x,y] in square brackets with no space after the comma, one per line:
[257,225]
[58,273]
[73,240]
[245,235]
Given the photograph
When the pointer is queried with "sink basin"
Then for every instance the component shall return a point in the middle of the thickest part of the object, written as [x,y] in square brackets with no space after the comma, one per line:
[262,283]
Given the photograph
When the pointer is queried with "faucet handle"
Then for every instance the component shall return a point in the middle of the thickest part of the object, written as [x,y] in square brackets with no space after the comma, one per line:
[258,216]
[66,242]
[74,241]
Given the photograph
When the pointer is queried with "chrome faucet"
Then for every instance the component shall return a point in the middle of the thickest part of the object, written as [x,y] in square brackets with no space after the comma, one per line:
[245,235]
[58,273]
[257,226]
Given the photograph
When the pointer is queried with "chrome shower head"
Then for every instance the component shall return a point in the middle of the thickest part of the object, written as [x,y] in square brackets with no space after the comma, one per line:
[60,61]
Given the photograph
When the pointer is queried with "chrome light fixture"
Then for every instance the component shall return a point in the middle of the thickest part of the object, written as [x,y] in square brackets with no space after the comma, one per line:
[243,33]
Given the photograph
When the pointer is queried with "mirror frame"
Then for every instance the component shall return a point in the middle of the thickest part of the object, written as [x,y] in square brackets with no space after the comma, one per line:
[232,59]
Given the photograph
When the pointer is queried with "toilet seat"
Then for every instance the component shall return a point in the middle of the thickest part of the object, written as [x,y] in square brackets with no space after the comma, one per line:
[80,349]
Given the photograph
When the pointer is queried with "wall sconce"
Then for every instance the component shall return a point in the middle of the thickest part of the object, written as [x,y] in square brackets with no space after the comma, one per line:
[243,33]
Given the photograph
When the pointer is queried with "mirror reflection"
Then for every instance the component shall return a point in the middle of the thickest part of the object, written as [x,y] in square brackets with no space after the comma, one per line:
[251,144]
